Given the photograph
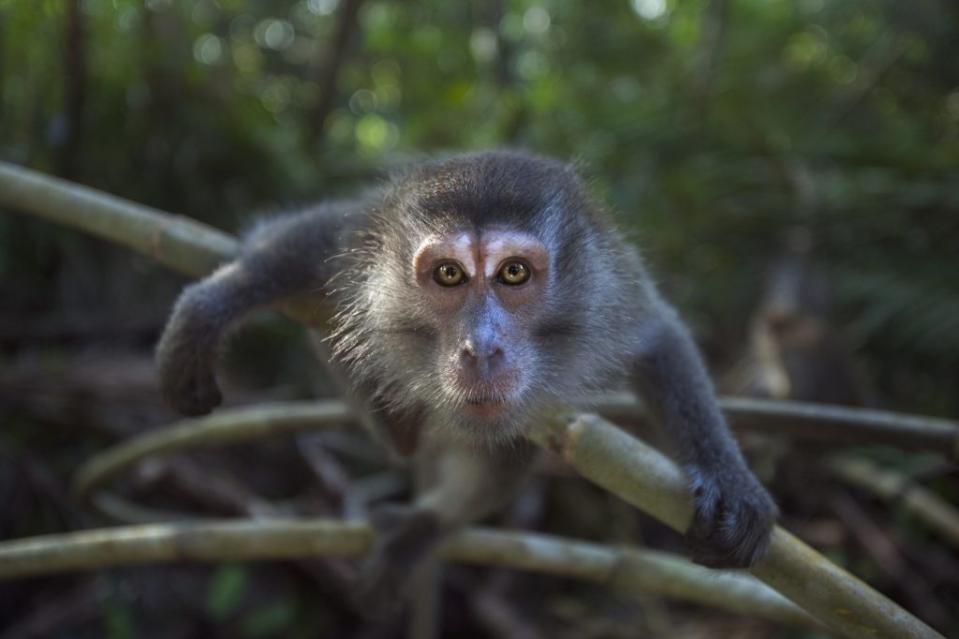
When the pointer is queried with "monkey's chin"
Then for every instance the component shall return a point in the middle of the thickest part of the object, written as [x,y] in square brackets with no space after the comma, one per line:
[487,409]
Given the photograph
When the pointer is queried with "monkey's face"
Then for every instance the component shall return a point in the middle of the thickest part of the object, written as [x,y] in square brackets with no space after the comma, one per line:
[482,294]
[489,287]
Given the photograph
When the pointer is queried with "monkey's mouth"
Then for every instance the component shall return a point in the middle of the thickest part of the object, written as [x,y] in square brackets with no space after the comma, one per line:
[488,398]
[487,405]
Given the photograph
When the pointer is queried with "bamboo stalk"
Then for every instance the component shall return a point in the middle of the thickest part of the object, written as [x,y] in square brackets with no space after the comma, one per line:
[194,248]
[238,425]
[223,427]
[595,448]
[644,477]
[177,242]
[602,453]
[808,420]
[889,485]
[622,570]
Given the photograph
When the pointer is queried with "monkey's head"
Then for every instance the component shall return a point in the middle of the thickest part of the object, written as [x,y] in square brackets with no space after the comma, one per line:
[489,288]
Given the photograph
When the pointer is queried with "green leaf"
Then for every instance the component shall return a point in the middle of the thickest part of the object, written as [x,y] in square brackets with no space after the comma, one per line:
[227,588]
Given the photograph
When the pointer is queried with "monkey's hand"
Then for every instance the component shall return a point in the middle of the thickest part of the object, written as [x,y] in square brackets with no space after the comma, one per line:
[185,357]
[405,538]
[733,517]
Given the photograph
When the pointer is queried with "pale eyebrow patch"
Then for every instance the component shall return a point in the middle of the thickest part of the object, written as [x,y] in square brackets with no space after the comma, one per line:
[497,246]
[435,248]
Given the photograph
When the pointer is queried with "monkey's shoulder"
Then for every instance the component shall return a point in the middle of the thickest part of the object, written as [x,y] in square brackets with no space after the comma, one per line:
[318,224]
[301,250]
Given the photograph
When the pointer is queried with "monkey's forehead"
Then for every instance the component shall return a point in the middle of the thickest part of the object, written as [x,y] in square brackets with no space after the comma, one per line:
[476,191]
[502,167]
[450,207]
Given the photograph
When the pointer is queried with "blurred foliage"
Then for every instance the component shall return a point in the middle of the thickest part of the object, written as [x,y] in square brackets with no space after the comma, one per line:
[712,128]
[719,131]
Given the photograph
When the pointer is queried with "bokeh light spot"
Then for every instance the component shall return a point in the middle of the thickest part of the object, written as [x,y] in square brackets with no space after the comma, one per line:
[274,34]
[536,20]
[649,9]
[483,45]
[208,49]
[375,134]
[322,7]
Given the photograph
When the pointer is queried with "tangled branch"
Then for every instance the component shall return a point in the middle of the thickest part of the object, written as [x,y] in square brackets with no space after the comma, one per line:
[596,449]
[621,570]
[193,248]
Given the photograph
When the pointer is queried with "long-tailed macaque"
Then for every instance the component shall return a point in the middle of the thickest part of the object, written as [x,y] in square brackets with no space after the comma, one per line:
[471,294]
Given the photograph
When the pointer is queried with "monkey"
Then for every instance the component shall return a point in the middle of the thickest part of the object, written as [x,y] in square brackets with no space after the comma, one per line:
[472,293]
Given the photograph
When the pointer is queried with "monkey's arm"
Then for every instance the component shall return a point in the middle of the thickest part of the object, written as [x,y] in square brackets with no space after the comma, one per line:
[284,257]
[733,512]
[457,484]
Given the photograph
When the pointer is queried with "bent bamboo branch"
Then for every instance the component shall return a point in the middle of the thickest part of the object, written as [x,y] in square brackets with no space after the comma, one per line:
[595,448]
[602,453]
[808,420]
[889,485]
[644,477]
[230,426]
[622,570]
[194,248]
[182,244]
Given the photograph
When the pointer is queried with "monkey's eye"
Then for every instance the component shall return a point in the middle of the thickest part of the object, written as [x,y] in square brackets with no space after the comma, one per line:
[514,273]
[449,274]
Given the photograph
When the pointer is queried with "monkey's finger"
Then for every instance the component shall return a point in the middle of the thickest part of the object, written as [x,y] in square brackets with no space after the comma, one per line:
[740,534]
[707,500]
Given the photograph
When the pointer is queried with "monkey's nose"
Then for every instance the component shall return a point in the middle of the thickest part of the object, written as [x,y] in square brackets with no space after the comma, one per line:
[483,359]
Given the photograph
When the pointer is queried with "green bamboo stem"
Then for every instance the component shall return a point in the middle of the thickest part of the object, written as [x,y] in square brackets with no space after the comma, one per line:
[177,242]
[229,426]
[600,452]
[196,249]
[237,425]
[845,425]
[808,420]
[622,570]
[889,485]
[644,477]
[595,448]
